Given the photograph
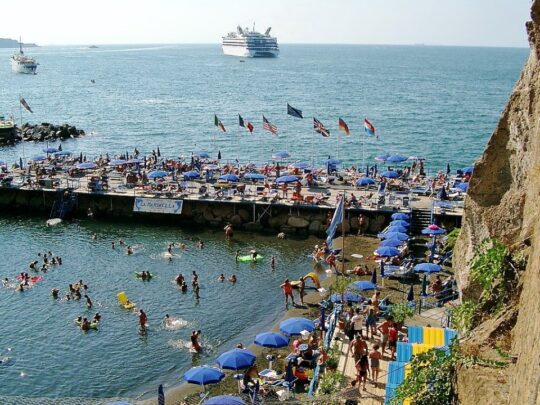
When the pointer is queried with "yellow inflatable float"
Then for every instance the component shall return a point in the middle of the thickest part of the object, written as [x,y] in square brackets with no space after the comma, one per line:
[314,278]
[124,302]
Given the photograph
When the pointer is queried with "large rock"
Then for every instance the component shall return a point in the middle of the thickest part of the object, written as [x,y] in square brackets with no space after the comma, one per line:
[236,220]
[298,222]
[244,214]
[315,227]
[277,221]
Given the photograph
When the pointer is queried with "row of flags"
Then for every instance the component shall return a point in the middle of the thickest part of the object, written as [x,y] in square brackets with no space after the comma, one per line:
[318,126]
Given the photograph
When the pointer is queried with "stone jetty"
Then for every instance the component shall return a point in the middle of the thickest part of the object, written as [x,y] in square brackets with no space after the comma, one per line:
[41,133]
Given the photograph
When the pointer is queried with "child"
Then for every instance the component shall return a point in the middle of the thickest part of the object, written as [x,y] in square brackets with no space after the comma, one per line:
[375,357]
[362,367]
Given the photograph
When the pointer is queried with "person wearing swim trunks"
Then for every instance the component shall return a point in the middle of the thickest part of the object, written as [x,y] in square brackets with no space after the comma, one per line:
[287,291]
[221,277]
[194,278]
[384,328]
[179,279]
[142,319]
[392,340]
[88,301]
[233,278]
[195,341]
[371,320]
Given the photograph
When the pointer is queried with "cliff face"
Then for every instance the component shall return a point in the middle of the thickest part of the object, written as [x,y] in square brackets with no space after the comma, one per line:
[504,203]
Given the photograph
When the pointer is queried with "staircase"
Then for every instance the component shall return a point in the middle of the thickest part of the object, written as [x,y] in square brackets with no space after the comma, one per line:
[64,203]
[421,218]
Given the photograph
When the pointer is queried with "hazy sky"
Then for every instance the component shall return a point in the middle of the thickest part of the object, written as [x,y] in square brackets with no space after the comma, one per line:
[454,22]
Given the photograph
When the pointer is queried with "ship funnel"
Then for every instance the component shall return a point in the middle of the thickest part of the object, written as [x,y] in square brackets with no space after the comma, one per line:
[268,31]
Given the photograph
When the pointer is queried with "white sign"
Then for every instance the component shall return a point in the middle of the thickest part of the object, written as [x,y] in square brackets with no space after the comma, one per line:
[158,205]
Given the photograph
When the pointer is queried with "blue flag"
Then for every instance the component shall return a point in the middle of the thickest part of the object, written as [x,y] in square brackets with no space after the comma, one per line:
[336,220]
[295,112]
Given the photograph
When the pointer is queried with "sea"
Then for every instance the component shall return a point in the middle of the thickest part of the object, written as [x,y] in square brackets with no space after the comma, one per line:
[441,103]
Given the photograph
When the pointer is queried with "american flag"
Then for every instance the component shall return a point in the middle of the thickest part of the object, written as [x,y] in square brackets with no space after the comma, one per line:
[320,128]
[269,127]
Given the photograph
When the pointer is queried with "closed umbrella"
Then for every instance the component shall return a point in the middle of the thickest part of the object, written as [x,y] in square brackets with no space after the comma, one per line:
[424,286]
[236,359]
[219,155]
[374,277]
[224,400]
[400,215]
[382,268]
[362,286]
[271,339]
[161,395]
[203,375]
[410,295]
[387,251]
[294,326]
[287,179]
[390,174]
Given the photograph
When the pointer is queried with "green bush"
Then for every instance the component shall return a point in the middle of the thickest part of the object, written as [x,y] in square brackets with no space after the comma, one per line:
[400,312]
[462,316]
[331,382]
[451,239]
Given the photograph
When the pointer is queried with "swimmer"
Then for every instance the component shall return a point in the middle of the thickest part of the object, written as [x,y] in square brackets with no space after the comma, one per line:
[20,288]
[54,293]
[77,295]
[169,248]
[5,282]
[78,320]
[196,290]
[113,245]
[121,242]
[183,246]
[33,265]
[142,319]
[94,236]
[237,256]
[85,326]
[71,288]
[97,318]
[88,301]
[129,250]
[67,297]
[195,341]
[167,321]
[194,278]
[253,255]
[233,278]
[183,287]
[179,279]
[273,262]
[200,244]
[59,259]
[221,277]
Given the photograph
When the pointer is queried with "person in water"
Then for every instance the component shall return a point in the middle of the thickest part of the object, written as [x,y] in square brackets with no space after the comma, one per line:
[233,278]
[273,263]
[142,319]
[221,277]
[97,318]
[228,232]
[167,321]
[113,245]
[237,256]
[196,291]
[179,279]
[200,244]
[169,248]
[129,250]
[88,301]
[253,255]
[54,293]
[183,246]
[195,341]
[183,287]
[194,278]
[85,326]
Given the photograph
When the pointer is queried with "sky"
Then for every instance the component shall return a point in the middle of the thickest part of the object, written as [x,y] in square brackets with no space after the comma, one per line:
[400,22]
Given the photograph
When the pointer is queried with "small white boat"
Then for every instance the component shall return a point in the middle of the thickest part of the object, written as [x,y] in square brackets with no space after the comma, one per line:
[20,63]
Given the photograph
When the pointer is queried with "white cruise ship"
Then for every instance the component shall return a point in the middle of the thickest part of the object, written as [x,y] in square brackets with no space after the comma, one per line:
[250,44]
[20,63]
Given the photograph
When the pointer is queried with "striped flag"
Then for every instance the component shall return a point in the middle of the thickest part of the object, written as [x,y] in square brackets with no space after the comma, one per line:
[369,128]
[295,112]
[218,123]
[246,124]
[269,127]
[320,128]
[342,125]
[25,105]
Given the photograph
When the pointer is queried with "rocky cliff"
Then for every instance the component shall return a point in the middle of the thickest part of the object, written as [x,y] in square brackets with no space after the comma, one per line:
[504,203]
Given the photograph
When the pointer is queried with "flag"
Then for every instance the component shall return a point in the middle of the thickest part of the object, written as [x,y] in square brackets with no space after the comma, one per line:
[320,128]
[368,127]
[295,112]
[246,124]
[343,126]
[25,105]
[218,123]
[269,127]
[336,220]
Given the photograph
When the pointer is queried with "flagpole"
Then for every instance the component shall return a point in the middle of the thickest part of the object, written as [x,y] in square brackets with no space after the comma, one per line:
[21,129]
[343,237]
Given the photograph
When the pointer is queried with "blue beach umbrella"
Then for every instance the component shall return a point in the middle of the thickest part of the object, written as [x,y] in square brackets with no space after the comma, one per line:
[390,243]
[433,230]
[293,326]
[211,167]
[201,155]
[468,170]
[401,236]
[427,268]
[348,296]
[390,174]
[271,339]
[191,175]
[156,174]
[287,179]
[300,165]
[254,176]
[396,228]
[400,216]
[117,162]
[203,375]
[463,186]
[50,150]
[387,251]
[38,158]
[362,286]
[86,166]
[62,153]
[400,222]
[396,159]
[229,177]
[135,161]
[236,359]
[382,158]
[224,400]
[332,162]
[365,181]
[280,155]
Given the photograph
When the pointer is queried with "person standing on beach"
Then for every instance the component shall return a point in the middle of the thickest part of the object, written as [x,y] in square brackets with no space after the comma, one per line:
[361,223]
[287,291]
[301,289]
[142,319]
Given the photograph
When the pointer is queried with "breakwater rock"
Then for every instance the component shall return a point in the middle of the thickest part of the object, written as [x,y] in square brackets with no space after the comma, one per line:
[41,133]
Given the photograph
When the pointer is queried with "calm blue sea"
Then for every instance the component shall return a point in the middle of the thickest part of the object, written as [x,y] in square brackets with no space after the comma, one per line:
[438,102]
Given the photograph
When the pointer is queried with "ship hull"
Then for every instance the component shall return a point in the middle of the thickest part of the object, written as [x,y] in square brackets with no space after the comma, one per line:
[249,53]
[26,68]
